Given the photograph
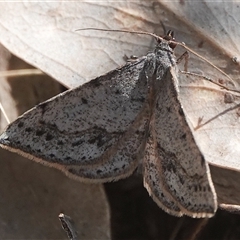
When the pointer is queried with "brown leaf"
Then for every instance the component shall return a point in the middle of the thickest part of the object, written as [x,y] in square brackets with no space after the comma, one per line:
[44,35]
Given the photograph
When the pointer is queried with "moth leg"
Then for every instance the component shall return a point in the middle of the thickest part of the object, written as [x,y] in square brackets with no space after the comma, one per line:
[184,56]
[223,85]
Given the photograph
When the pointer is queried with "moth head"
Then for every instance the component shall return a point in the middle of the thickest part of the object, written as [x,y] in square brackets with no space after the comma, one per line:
[169,37]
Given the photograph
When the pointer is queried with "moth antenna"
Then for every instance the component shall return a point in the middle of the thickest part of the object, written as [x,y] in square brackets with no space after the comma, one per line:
[125,31]
[169,37]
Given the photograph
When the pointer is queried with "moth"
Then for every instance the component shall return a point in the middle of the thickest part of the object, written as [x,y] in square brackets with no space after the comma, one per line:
[102,130]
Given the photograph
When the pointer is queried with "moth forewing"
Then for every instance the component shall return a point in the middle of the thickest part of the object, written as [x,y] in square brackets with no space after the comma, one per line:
[184,169]
[67,131]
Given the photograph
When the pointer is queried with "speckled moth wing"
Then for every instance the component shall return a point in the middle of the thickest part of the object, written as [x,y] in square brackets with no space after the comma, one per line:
[182,169]
[102,123]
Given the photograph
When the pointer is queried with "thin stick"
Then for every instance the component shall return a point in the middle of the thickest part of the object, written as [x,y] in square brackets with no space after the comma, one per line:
[20,72]
[232,208]
[177,228]
[4,113]
[201,223]
[67,226]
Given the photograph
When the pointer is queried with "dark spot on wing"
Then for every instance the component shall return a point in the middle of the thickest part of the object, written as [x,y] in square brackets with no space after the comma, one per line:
[42,106]
[92,140]
[140,99]
[59,142]
[28,129]
[95,82]
[168,163]
[49,137]
[41,122]
[71,170]
[183,136]
[20,124]
[40,132]
[181,180]
[84,101]
[100,139]
[170,167]
[52,125]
